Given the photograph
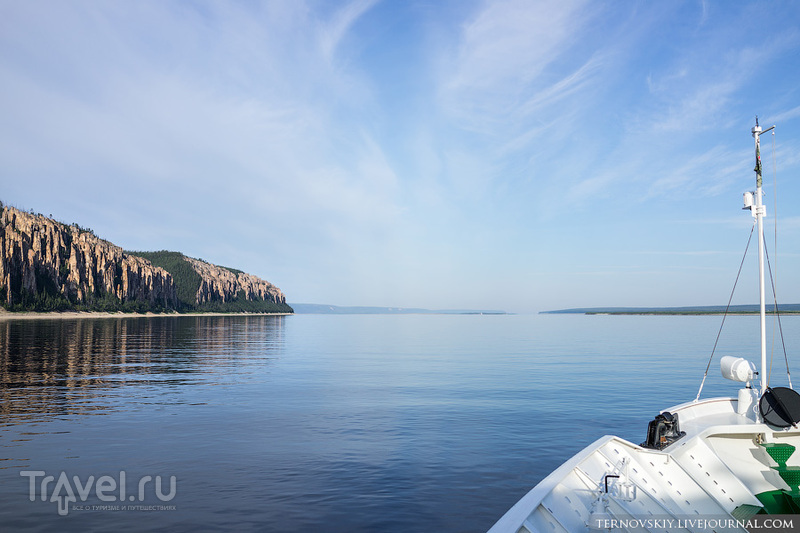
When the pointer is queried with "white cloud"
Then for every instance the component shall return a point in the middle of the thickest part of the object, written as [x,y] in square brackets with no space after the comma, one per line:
[501,58]
[784,116]
[703,174]
[333,33]
[707,76]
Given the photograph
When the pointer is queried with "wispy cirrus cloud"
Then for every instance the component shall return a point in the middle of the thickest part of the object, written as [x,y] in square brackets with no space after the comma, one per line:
[784,116]
[498,66]
[332,32]
[702,88]
[705,173]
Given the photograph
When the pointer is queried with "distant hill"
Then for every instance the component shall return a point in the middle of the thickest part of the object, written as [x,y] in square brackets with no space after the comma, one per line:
[202,286]
[692,310]
[323,309]
[46,265]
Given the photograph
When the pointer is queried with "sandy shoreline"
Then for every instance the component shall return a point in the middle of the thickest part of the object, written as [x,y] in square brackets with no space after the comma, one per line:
[31,315]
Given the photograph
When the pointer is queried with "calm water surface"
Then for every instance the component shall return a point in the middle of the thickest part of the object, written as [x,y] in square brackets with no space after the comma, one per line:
[337,423]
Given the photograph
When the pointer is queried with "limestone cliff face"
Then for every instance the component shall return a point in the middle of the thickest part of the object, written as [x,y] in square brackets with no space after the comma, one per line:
[40,255]
[221,284]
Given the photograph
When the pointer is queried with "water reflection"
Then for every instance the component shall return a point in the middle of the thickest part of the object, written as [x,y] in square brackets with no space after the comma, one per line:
[53,368]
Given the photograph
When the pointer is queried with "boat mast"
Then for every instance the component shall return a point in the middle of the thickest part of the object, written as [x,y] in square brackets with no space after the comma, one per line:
[761,212]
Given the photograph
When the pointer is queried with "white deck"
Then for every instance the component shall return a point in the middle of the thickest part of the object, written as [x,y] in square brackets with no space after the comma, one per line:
[715,468]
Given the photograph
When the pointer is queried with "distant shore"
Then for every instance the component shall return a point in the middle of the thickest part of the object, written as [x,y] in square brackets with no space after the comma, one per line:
[747,309]
[669,313]
[32,315]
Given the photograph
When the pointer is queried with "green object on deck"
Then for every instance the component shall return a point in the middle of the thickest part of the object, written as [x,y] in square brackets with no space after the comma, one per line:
[779,452]
[745,512]
[791,475]
[777,502]
[782,501]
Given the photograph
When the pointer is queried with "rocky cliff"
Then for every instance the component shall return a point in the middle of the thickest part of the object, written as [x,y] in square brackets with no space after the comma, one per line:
[202,286]
[43,258]
[222,284]
[47,265]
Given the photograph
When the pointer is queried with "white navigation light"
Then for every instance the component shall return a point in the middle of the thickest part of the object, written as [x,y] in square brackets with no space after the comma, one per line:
[748,200]
[737,369]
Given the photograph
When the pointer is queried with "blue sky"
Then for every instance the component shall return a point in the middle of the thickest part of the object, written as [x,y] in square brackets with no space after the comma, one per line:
[515,155]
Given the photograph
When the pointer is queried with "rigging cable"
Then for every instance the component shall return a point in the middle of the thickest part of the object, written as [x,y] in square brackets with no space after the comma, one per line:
[725,315]
[777,316]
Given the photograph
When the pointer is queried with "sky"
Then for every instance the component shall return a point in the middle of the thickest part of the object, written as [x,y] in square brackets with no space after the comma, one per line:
[512,155]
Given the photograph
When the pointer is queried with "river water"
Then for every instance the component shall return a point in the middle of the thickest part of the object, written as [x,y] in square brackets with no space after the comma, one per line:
[391,423]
